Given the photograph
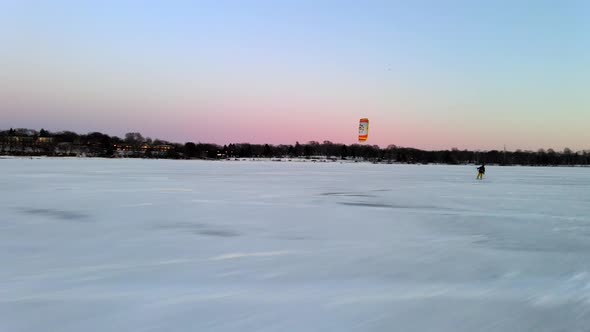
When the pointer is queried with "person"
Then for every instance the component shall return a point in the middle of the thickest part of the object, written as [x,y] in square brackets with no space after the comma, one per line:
[481,171]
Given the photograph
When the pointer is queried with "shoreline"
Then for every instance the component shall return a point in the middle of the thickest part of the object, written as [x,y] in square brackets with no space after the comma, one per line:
[286,160]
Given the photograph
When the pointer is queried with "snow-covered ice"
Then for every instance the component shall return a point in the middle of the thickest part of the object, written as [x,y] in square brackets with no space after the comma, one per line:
[157,245]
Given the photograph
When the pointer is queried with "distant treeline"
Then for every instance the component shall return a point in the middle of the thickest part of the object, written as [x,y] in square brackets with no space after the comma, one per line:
[27,142]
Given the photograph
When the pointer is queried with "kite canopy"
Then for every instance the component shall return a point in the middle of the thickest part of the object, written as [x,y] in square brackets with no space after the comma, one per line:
[363,130]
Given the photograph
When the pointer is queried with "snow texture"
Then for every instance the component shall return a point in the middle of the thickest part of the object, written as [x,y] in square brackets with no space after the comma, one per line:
[158,245]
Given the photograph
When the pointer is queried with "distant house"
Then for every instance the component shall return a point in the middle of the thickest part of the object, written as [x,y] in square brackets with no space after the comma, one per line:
[162,149]
[126,150]
[17,143]
[20,139]
[123,150]
[44,140]
[145,148]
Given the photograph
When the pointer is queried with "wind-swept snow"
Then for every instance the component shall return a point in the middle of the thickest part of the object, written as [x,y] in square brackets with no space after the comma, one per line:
[158,245]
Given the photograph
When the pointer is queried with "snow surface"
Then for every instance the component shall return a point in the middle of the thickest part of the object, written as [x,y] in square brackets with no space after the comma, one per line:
[158,245]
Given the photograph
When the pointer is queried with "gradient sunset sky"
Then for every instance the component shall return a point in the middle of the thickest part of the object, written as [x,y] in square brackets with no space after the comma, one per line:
[428,74]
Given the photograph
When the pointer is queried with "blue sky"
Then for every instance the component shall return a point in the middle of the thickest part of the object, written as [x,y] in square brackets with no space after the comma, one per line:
[429,74]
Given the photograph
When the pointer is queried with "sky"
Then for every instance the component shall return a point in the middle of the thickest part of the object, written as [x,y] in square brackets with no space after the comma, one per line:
[427,74]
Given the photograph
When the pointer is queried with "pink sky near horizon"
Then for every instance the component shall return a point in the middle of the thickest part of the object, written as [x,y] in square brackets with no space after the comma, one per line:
[237,126]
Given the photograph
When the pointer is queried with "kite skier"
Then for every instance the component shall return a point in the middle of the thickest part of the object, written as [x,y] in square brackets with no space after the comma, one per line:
[481,170]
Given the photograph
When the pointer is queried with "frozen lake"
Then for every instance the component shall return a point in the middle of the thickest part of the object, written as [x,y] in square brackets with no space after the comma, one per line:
[156,245]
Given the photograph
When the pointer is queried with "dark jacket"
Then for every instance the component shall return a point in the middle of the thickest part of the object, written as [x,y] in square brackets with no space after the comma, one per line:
[482,169]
